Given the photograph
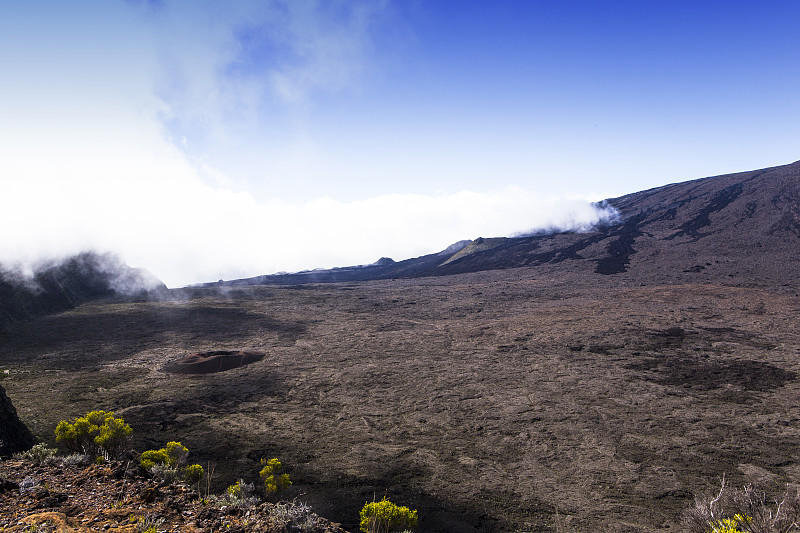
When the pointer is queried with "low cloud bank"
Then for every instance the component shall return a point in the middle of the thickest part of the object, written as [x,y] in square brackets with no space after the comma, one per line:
[187,232]
[134,193]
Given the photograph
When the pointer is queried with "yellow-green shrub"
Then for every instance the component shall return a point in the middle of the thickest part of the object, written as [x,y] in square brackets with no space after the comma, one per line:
[235,490]
[384,516]
[97,432]
[172,457]
[114,436]
[150,458]
[176,452]
[173,454]
[273,480]
[729,525]
[240,495]
[193,473]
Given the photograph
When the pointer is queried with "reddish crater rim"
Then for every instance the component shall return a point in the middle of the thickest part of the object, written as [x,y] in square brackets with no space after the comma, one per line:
[213,361]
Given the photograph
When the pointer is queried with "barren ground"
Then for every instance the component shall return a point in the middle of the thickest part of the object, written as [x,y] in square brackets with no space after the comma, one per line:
[498,401]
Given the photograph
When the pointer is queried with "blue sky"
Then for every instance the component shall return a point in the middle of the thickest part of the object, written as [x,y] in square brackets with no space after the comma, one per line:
[207,140]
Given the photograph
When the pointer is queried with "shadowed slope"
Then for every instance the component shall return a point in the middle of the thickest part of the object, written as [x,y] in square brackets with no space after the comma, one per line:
[65,285]
[14,436]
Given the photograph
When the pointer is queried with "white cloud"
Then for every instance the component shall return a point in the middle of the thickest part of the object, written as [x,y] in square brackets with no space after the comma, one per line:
[237,81]
[87,163]
[158,214]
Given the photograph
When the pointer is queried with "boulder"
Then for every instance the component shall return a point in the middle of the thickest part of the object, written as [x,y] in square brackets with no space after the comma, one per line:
[14,436]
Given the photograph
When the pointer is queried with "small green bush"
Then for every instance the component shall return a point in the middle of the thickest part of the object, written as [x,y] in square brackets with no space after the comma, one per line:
[274,481]
[235,491]
[114,436]
[96,433]
[193,473]
[167,463]
[176,452]
[385,517]
[240,495]
[173,454]
[729,525]
[150,458]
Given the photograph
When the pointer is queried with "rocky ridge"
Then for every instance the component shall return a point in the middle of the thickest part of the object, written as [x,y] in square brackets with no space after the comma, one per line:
[14,436]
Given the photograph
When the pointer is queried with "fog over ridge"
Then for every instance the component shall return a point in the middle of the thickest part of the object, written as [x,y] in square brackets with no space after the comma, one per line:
[184,231]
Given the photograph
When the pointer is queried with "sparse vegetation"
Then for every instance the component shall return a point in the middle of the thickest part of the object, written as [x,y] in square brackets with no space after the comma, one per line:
[38,454]
[385,517]
[297,516]
[73,459]
[240,495]
[96,433]
[149,523]
[168,464]
[274,481]
[745,510]
[239,508]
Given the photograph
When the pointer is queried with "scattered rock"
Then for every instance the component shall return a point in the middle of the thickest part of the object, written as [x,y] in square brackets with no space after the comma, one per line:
[72,499]
[6,485]
[150,494]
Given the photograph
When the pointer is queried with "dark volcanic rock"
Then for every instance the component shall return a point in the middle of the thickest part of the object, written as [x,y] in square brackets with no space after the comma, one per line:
[14,436]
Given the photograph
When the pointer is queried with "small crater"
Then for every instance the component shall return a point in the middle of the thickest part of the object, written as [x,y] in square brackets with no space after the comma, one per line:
[213,362]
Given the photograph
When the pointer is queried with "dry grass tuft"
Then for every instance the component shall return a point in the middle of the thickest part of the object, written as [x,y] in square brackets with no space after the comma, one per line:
[747,510]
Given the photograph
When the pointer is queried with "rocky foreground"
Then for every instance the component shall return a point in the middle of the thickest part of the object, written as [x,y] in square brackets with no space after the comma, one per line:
[118,496]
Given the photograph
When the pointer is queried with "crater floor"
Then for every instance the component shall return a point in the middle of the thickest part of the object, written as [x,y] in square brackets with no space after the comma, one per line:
[496,401]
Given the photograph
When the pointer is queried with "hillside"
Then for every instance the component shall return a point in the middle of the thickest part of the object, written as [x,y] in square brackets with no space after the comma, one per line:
[713,228]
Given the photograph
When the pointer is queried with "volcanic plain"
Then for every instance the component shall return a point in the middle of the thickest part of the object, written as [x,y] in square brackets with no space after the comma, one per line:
[576,382]
[514,400]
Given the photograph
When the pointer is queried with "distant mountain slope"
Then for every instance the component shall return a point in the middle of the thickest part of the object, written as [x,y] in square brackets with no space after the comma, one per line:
[736,225]
[67,284]
[743,226]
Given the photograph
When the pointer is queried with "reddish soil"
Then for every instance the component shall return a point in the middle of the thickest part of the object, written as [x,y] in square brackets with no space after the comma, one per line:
[116,497]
